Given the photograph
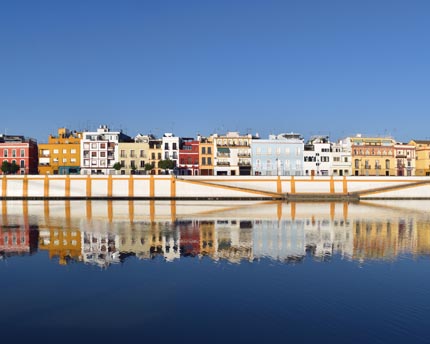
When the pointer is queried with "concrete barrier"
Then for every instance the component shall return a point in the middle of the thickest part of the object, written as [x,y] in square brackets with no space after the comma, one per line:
[212,187]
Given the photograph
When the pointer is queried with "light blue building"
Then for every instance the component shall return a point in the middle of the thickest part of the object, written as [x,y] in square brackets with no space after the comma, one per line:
[280,155]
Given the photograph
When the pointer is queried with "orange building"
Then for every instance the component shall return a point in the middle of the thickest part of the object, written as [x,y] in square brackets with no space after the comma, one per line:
[61,155]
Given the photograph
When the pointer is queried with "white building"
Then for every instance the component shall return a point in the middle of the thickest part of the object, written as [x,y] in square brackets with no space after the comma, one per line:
[170,146]
[317,157]
[342,161]
[99,150]
[233,154]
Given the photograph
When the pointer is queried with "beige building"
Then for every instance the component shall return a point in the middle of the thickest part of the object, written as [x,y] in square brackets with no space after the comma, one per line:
[422,160]
[373,156]
[206,156]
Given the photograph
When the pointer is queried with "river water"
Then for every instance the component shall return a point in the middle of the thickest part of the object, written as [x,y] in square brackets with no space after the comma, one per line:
[234,272]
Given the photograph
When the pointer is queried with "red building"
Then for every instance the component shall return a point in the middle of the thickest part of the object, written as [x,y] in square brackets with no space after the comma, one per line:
[23,151]
[17,240]
[189,157]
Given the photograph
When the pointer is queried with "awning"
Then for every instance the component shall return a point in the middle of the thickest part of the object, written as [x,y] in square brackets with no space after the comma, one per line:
[223,150]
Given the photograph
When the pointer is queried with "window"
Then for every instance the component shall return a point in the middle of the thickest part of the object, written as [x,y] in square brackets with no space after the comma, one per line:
[22,164]
[166,146]
[102,154]
[102,145]
[13,153]
[132,153]
[93,145]
[209,161]
[203,150]
[142,153]
[159,156]
[93,154]
[73,160]
[5,153]
[73,151]
[203,161]
[142,163]
[55,151]
[153,156]
[209,150]
[64,151]
[174,145]
[64,160]
[22,153]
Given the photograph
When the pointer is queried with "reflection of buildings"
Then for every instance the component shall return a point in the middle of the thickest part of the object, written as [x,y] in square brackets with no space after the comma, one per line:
[100,248]
[361,233]
[279,240]
[17,240]
[324,237]
[62,243]
[234,240]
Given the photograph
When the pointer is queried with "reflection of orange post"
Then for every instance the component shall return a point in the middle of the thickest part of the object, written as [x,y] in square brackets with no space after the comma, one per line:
[152,210]
[131,210]
[345,210]
[173,210]
[332,209]
[332,185]
[4,212]
[25,212]
[67,211]
[89,210]
[110,210]
[46,210]
[293,210]
[279,210]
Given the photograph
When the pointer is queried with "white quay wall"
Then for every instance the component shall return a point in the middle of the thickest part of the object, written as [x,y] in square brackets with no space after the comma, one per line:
[120,186]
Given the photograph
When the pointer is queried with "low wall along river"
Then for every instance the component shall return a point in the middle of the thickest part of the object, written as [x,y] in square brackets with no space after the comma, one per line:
[212,187]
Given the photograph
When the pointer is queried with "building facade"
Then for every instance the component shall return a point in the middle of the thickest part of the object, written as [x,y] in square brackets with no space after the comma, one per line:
[206,156]
[232,154]
[422,157]
[373,156]
[99,150]
[134,156]
[62,153]
[20,151]
[189,157]
[280,155]
[317,156]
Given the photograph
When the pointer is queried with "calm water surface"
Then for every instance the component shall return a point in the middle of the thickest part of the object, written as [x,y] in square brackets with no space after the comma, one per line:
[234,272]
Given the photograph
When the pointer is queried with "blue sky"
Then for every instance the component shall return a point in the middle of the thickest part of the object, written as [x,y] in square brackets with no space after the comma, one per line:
[187,67]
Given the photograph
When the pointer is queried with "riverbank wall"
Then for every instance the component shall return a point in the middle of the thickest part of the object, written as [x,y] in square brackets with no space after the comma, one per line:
[288,188]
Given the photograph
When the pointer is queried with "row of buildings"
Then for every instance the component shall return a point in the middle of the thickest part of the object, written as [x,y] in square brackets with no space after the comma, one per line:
[226,239]
[105,151]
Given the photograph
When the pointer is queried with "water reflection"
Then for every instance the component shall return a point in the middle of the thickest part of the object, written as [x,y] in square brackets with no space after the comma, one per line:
[103,233]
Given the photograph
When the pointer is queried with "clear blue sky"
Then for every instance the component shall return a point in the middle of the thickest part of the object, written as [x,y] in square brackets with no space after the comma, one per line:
[187,67]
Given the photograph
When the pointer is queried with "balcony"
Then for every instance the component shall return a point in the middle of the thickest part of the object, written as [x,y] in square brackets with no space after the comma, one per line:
[223,163]
[244,155]
[223,155]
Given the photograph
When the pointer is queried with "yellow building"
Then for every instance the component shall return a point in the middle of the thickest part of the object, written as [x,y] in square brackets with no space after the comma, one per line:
[376,239]
[134,155]
[64,244]
[206,156]
[373,156]
[422,161]
[155,155]
[61,155]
